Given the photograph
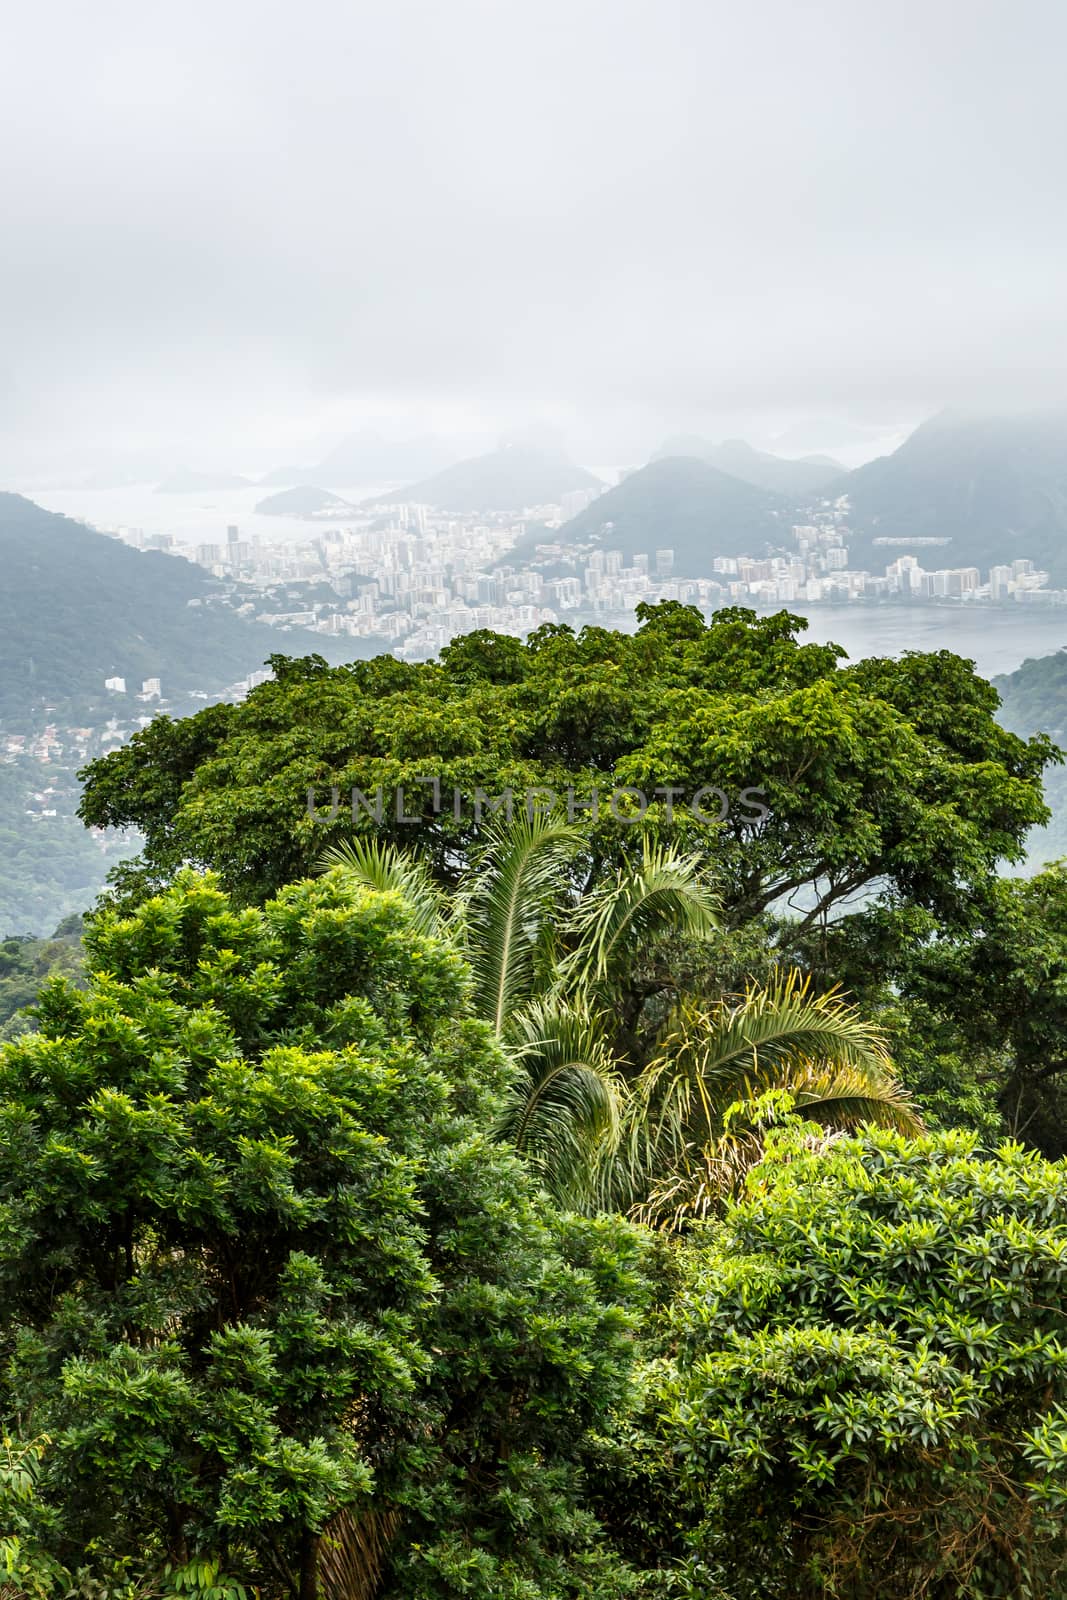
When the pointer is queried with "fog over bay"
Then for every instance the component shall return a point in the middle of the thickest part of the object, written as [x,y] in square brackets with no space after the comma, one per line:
[234,234]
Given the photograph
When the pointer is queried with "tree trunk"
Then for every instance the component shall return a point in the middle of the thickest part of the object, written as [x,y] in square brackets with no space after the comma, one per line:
[309,1565]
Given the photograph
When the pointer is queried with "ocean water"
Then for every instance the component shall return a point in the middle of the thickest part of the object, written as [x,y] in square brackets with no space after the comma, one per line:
[996,638]
[191,519]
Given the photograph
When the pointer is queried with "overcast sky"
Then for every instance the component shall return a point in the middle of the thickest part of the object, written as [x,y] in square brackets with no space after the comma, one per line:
[233,231]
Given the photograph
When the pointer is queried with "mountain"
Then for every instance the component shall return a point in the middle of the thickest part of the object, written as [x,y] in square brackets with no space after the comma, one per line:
[688,506]
[185,481]
[366,458]
[303,501]
[1033,699]
[777,473]
[510,479]
[996,487]
[77,607]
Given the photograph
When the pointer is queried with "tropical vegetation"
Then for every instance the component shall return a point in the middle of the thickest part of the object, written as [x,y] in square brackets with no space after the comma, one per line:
[562,1207]
[624,1079]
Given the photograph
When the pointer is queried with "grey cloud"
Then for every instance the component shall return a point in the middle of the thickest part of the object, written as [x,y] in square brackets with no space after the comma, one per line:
[223,222]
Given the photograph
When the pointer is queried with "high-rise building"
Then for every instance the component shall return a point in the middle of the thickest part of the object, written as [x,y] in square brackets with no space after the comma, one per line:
[999,582]
[664,563]
[574,502]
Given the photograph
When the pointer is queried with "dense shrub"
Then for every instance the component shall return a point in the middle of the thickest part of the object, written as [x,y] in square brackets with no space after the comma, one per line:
[269,1297]
[867,1374]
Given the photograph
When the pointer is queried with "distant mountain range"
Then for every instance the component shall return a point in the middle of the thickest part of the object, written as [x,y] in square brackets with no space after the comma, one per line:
[996,487]
[366,458]
[777,473]
[685,505]
[510,479]
[77,607]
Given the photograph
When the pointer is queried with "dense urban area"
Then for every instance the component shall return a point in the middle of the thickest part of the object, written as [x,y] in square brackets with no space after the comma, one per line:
[414,577]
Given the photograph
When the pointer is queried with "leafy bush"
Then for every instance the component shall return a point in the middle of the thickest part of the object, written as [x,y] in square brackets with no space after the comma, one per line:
[268,1294]
[868,1372]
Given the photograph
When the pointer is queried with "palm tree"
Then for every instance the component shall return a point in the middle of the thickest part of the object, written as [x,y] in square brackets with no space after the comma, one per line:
[722,1072]
[609,1113]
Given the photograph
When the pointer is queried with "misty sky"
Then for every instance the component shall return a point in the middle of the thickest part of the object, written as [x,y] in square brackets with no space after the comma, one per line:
[236,231]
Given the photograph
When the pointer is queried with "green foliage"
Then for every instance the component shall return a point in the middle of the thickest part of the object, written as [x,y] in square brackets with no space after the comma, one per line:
[721,1073]
[262,1268]
[280,1304]
[549,963]
[880,774]
[979,1011]
[379,867]
[505,910]
[617,1104]
[866,1376]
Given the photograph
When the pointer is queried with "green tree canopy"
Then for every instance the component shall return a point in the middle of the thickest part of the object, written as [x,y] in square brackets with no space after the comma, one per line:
[882,773]
[269,1294]
[994,989]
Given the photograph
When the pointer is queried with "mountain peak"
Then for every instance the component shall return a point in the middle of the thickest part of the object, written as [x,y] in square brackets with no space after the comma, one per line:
[509,479]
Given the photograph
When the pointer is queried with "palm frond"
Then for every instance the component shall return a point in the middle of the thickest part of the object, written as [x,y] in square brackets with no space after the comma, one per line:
[563,1109]
[681,1153]
[693,1190]
[513,887]
[840,1097]
[382,867]
[666,892]
[708,1054]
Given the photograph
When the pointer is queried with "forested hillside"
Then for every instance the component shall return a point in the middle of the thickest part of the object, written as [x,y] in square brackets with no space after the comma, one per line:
[27,964]
[996,487]
[77,607]
[688,506]
[1033,699]
[51,866]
